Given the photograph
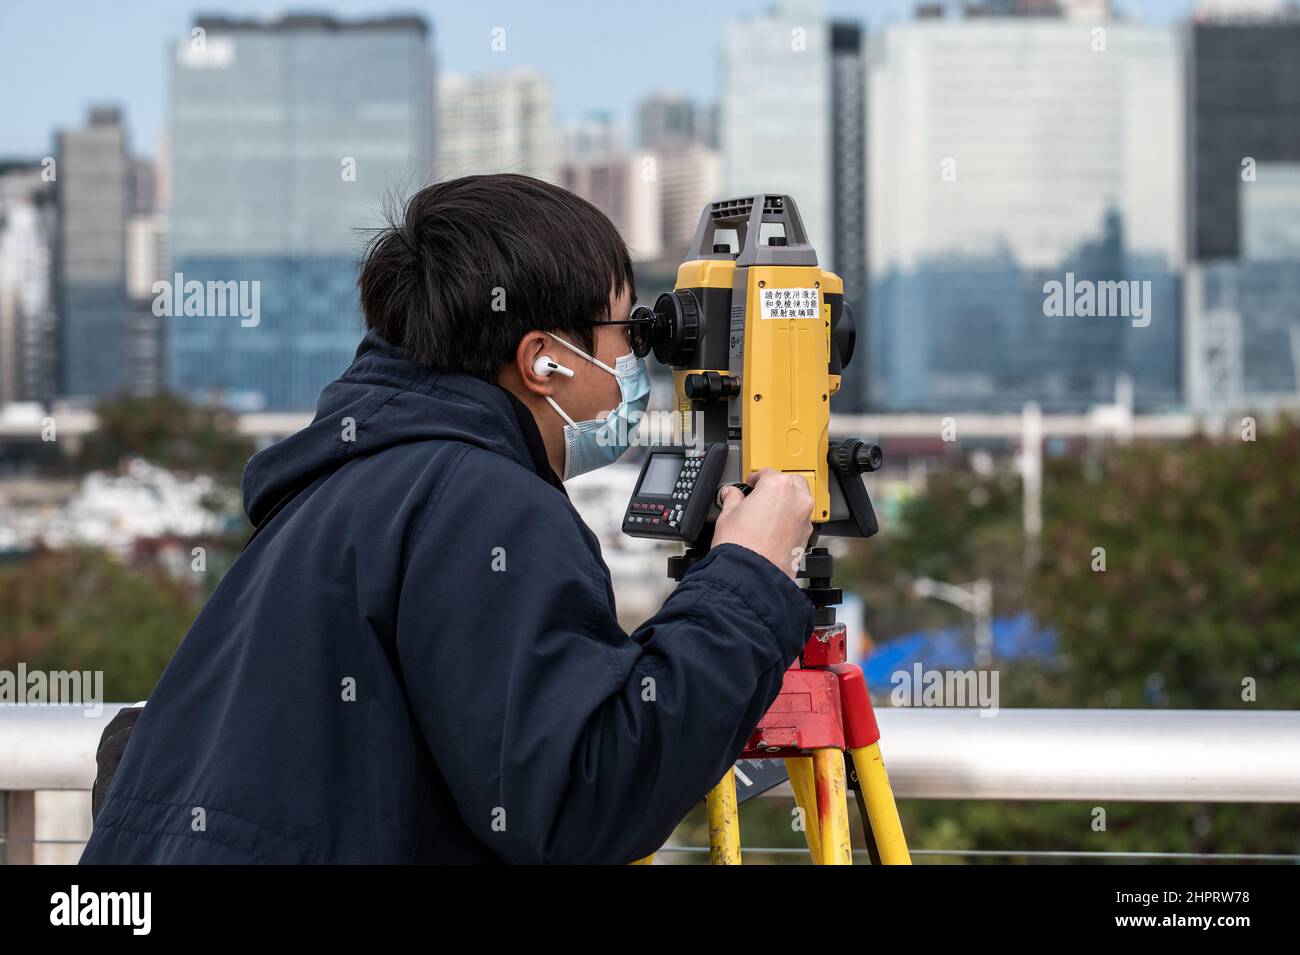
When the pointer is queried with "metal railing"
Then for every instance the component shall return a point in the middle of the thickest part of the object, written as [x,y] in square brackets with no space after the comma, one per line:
[1242,756]
[1230,756]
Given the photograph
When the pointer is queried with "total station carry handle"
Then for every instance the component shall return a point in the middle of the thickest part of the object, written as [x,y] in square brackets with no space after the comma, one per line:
[766,229]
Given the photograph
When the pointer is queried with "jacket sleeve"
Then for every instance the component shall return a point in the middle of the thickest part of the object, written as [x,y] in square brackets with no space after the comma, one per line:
[561,737]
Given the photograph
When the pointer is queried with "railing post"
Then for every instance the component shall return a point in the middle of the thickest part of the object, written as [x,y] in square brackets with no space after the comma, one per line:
[19,826]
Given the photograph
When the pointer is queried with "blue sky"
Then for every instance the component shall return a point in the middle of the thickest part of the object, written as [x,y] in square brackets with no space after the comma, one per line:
[56,56]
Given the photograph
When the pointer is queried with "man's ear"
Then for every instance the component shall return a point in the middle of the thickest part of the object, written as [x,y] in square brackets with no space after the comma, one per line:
[530,348]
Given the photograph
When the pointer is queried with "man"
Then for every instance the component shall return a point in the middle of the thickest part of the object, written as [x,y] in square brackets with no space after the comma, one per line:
[417,657]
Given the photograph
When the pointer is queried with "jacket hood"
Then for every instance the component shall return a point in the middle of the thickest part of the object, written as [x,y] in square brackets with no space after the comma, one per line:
[383,399]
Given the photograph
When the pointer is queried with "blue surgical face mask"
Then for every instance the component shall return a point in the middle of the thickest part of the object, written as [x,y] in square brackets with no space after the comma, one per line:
[589,445]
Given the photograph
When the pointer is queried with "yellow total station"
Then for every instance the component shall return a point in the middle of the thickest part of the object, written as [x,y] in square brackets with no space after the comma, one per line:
[758,334]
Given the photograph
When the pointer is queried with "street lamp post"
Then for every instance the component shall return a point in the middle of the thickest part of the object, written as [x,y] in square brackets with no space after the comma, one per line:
[976,599]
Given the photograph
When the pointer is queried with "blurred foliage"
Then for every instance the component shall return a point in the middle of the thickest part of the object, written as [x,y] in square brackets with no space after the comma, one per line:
[171,432]
[1201,590]
[1202,582]
[81,609]
[963,527]
[85,609]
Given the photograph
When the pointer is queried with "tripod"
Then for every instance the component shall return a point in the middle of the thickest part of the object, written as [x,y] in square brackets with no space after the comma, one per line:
[823,725]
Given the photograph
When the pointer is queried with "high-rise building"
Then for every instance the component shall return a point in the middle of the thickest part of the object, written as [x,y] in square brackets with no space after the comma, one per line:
[690,177]
[624,185]
[626,188]
[776,112]
[668,121]
[1074,9]
[146,264]
[1243,283]
[710,128]
[27,348]
[849,199]
[93,190]
[286,139]
[146,253]
[597,135]
[143,174]
[675,131]
[1245,101]
[501,122]
[1015,162]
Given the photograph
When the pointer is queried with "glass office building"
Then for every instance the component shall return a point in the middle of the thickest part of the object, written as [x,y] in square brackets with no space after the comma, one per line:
[776,111]
[1007,154]
[1243,334]
[286,138]
[848,187]
[93,204]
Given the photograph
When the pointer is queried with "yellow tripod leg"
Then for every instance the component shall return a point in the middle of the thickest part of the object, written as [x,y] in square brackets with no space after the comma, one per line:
[882,813]
[724,822]
[800,771]
[648,860]
[832,807]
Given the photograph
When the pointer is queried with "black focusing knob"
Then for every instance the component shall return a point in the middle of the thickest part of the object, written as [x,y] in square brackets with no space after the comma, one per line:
[869,457]
[857,457]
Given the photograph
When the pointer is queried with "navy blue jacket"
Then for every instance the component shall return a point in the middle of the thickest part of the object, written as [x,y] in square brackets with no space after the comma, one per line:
[418,658]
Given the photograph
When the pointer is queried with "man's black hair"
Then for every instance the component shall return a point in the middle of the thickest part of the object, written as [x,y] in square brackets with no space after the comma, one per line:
[544,257]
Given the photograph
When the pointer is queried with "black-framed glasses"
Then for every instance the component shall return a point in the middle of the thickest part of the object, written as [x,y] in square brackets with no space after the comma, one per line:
[639,324]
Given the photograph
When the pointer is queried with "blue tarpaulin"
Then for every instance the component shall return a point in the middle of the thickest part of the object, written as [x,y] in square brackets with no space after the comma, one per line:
[1014,638]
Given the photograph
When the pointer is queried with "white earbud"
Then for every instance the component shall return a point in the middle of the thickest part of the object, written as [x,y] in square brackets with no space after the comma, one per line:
[546,364]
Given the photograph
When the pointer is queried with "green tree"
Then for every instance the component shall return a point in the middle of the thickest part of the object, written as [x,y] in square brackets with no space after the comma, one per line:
[1199,600]
[171,432]
[1200,594]
[80,609]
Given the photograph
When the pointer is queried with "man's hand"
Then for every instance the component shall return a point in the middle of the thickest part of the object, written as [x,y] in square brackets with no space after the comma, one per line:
[774,520]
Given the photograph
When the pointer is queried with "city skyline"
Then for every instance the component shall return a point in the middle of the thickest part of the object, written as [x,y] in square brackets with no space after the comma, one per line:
[1074,148]
[120,57]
